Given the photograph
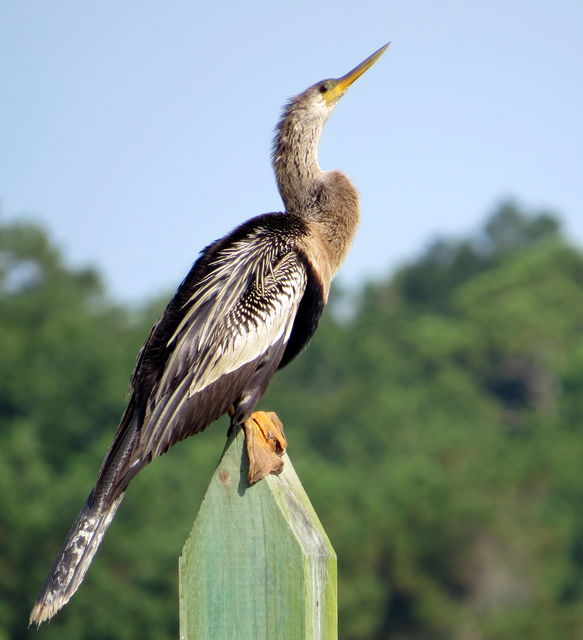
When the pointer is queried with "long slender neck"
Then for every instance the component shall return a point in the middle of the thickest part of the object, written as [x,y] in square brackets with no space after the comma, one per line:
[295,158]
[327,200]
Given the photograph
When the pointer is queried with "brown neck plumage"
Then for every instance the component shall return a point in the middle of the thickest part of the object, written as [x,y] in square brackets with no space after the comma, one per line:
[327,200]
[295,157]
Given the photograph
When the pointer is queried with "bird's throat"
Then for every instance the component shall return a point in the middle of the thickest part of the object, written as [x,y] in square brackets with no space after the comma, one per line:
[295,161]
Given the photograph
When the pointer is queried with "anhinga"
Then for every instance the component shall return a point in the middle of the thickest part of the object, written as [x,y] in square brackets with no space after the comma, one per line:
[248,306]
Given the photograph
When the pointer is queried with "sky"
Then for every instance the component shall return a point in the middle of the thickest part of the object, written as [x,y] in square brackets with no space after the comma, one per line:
[137,132]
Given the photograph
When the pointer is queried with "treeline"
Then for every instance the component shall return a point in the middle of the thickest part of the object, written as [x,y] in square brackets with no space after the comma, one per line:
[435,421]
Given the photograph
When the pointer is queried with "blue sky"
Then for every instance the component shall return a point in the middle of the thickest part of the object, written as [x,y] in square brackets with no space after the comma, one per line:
[138,132]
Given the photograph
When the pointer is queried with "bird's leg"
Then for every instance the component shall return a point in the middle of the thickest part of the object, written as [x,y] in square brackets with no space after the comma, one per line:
[265,444]
[232,425]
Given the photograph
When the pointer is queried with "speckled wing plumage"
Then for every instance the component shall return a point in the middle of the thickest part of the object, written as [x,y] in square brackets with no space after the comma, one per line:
[218,344]
[229,340]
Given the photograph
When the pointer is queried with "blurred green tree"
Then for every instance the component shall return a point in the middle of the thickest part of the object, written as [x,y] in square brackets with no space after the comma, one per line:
[440,438]
[66,354]
[435,421]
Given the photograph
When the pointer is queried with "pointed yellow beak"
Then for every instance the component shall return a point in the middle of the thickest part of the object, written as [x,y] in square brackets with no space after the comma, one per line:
[345,81]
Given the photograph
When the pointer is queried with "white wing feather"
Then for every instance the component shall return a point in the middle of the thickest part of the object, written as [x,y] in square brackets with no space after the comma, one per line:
[246,304]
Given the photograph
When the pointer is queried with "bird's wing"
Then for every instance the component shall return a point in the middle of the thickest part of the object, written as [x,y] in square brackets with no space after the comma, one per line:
[236,322]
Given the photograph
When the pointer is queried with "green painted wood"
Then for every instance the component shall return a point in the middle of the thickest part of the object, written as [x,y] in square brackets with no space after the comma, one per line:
[257,564]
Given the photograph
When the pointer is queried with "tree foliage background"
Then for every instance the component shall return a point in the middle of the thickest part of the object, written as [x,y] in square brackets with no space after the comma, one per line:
[435,420]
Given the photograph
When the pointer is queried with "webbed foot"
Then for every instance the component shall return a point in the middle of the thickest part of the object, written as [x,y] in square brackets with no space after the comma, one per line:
[265,443]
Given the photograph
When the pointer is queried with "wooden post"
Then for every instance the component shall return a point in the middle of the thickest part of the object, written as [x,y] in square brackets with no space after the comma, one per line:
[257,564]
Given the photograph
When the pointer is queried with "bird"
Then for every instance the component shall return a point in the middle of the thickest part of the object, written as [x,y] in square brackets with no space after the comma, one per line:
[250,303]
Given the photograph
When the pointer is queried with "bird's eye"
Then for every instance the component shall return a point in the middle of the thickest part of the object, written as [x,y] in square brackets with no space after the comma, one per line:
[325,86]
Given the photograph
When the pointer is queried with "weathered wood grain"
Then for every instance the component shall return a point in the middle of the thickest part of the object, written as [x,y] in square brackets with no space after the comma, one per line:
[257,564]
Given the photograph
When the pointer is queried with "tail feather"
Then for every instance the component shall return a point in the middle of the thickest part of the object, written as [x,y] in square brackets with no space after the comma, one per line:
[74,559]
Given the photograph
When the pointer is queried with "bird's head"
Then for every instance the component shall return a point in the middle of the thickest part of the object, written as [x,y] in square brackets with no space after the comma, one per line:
[295,147]
[321,98]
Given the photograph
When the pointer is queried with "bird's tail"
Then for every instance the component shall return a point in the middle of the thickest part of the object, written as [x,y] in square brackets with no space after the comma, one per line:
[74,559]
